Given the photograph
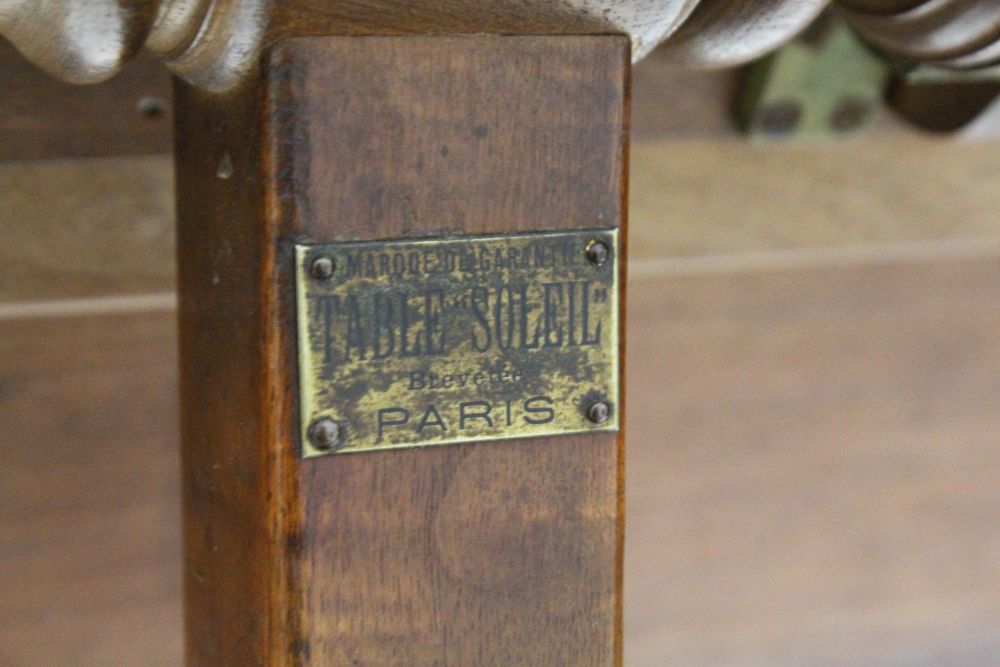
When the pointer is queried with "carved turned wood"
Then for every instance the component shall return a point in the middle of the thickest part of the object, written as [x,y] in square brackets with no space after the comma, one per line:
[214,43]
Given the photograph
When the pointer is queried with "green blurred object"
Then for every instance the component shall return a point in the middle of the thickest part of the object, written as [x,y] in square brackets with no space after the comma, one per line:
[824,85]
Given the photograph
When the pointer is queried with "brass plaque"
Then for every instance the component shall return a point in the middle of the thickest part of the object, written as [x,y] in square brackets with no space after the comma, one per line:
[433,342]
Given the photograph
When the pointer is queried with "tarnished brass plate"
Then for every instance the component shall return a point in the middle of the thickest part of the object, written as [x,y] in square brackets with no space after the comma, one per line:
[432,342]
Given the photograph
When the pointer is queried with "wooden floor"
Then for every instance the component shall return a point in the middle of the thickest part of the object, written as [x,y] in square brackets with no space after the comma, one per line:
[814,423]
[89,492]
[814,467]
[813,474]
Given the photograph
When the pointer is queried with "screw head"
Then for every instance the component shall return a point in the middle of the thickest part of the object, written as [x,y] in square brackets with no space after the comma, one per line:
[599,412]
[152,107]
[598,252]
[324,434]
[322,267]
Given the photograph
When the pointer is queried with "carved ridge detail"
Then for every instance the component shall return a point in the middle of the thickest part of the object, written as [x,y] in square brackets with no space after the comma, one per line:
[214,43]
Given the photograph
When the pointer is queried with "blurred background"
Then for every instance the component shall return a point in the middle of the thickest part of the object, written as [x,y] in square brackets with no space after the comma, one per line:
[813,378]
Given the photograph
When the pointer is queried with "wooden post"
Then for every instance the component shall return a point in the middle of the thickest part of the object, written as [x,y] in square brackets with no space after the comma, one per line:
[488,553]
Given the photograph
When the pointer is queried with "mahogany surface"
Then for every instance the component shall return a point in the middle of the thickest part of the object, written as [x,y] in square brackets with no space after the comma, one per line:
[492,554]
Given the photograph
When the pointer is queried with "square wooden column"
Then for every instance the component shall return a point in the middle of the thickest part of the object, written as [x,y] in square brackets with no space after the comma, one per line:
[492,553]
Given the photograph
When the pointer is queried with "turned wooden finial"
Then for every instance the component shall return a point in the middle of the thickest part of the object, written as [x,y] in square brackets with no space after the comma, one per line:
[210,42]
[78,41]
[213,43]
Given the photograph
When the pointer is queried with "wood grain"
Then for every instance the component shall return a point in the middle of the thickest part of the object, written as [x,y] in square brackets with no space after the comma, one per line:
[939,30]
[416,557]
[89,492]
[86,228]
[723,198]
[729,559]
[463,575]
[235,551]
[811,465]
[215,44]
[83,42]
[671,102]
[725,599]
[882,6]
[813,470]
[82,229]
[721,33]
[41,117]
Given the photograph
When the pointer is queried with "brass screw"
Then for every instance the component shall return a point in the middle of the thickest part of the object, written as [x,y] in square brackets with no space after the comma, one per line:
[597,252]
[599,412]
[322,267]
[324,434]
